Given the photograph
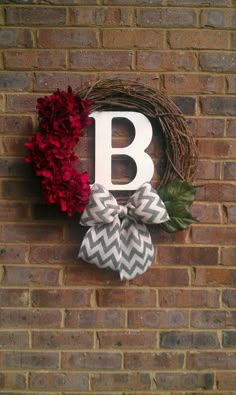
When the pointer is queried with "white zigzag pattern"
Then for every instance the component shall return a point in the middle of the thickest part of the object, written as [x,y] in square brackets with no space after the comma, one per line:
[100,203]
[148,205]
[137,252]
[94,244]
[126,247]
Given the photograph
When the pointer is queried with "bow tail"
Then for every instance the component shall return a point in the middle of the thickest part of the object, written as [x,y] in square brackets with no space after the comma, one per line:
[137,249]
[101,245]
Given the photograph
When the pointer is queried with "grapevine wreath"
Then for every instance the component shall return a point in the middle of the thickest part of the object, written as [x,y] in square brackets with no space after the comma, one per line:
[62,117]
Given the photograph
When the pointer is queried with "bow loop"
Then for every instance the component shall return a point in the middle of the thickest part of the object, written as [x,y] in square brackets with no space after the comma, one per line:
[102,207]
[118,237]
[146,206]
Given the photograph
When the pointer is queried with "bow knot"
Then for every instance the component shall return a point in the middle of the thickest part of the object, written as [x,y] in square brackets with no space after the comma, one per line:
[118,237]
[123,211]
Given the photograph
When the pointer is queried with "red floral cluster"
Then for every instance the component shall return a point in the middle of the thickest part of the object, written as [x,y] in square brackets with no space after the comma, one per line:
[62,116]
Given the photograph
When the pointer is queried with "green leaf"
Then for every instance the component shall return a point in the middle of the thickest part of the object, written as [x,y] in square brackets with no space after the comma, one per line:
[178,197]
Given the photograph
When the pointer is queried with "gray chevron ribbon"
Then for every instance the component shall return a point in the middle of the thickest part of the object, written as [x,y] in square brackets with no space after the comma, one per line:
[118,237]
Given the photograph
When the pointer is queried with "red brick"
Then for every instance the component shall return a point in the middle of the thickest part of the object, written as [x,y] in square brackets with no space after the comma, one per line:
[212,235]
[162,277]
[153,361]
[208,170]
[11,124]
[186,104]
[216,360]
[21,103]
[195,39]
[229,339]
[29,360]
[151,319]
[231,127]
[12,380]
[13,146]
[222,192]
[125,340]
[188,340]
[225,380]
[14,340]
[62,340]
[187,255]
[207,127]
[30,318]
[86,16]
[228,256]
[67,38]
[219,62]
[54,255]
[39,393]
[200,3]
[213,319]
[133,2]
[29,233]
[95,318]
[151,79]
[59,381]
[221,19]
[35,16]
[35,59]
[61,298]
[121,381]
[12,297]
[1,56]
[218,105]
[133,38]
[13,253]
[10,38]
[189,298]
[207,213]
[184,381]
[24,275]
[15,190]
[97,60]
[49,82]
[233,40]
[86,274]
[214,277]
[166,61]
[229,214]
[217,148]
[149,17]
[118,16]
[192,83]
[73,2]
[91,360]
[13,81]
[126,297]
[231,84]
[14,168]
[229,297]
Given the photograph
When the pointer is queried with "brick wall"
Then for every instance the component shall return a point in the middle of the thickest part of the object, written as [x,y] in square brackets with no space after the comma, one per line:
[66,327]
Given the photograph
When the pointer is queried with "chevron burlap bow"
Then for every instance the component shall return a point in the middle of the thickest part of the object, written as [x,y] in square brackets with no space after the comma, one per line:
[118,237]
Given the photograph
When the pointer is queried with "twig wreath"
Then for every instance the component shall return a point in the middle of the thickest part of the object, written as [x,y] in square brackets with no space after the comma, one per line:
[62,117]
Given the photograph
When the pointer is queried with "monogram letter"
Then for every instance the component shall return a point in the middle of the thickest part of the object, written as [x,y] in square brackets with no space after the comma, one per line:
[104,149]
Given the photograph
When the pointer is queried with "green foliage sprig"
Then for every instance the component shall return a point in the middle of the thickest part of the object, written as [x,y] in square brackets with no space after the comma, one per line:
[178,197]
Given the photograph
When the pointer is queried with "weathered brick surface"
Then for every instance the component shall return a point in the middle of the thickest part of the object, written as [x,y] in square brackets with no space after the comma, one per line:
[62,340]
[91,361]
[59,381]
[69,328]
[188,340]
[35,59]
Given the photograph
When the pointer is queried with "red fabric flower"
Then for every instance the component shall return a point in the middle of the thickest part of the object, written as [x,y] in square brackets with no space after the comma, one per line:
[62,116]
